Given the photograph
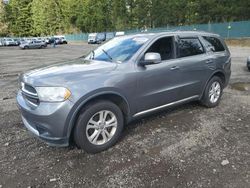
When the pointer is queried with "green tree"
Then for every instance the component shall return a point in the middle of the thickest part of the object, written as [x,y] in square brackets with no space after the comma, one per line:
[20,17]
[119,14]
[3,25]
[49,17]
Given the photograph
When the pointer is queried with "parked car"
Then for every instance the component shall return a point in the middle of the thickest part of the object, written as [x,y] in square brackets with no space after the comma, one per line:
[48,40]
[60,40]
[96,38]
[22,40]
[33,44]
[9,42]
[248,63]
[17,41]
[41,39]
[110,35]
[89,100]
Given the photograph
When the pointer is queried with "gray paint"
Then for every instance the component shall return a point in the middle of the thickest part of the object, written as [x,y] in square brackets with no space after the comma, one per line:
[143,88]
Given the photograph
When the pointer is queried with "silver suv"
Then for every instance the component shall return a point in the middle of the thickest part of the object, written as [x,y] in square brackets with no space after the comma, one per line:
[33,44]
[89,100]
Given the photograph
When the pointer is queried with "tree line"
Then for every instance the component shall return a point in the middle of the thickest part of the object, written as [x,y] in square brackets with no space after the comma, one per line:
[49,17]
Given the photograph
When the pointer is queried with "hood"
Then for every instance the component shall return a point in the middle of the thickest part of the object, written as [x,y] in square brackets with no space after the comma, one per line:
[63,73]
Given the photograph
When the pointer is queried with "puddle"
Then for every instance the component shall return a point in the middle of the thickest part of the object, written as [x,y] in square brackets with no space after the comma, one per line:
[241,86]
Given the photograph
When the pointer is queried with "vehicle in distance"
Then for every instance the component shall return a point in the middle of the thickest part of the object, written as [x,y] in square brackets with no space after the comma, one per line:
[33,44]
[9,42]
[60,39]
[96,38]
[17,41]
[89,100]
[109,36]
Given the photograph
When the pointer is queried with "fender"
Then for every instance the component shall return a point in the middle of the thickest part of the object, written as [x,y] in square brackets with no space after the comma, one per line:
[215,72]
[82,101]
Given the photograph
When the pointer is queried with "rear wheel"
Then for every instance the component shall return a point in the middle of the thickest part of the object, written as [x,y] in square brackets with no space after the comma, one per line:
[98,127]
[213,92]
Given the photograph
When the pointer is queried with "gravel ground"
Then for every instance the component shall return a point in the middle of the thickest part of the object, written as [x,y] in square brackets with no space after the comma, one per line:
[188,146]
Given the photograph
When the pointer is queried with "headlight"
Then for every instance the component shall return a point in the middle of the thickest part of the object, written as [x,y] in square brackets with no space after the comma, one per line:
[53,94]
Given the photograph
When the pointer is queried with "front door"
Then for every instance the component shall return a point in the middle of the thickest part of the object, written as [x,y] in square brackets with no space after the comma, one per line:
[157,84]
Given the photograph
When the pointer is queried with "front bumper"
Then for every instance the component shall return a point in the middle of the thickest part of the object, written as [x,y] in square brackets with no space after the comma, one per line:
[48,121]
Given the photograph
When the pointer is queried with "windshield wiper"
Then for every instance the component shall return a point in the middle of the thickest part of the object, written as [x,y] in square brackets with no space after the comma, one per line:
[108,55]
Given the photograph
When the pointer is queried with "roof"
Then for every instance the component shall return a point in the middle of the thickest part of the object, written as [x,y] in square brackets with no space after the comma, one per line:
[181,33]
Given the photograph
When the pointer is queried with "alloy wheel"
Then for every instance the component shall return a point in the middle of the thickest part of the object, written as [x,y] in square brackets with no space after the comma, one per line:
[101,127]
[214,92]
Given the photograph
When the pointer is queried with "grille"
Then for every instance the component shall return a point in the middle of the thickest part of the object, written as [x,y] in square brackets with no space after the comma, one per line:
[30,94]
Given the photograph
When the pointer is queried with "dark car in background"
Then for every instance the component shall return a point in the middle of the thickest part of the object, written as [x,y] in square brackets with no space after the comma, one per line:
[88,100]
[110,35]
[17,41]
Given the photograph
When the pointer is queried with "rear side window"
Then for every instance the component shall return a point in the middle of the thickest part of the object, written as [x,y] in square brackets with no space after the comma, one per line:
[214,44]
[189,47]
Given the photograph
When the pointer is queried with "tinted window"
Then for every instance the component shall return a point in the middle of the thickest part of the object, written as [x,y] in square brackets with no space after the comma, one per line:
[119,49]
[189,47]
[214,44]
[164,47]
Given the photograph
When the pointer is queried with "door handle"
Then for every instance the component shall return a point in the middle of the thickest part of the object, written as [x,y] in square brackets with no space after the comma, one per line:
[174,68]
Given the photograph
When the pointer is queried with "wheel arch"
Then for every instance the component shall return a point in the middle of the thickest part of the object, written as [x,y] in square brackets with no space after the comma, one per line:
[218,73]
[114,97]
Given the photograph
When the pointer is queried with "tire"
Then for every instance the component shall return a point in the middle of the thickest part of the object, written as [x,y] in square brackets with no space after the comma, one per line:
[25,47]
[248,68]
[207,98]
[84,130]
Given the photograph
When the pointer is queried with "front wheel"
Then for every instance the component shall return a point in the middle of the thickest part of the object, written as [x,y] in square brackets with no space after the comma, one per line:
[98,127]
[213,92]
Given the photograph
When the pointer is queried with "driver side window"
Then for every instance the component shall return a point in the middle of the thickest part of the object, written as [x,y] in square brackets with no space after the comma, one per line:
[163,46]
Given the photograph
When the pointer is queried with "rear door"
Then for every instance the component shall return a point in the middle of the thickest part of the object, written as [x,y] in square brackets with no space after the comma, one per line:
[192,61]
[218,53]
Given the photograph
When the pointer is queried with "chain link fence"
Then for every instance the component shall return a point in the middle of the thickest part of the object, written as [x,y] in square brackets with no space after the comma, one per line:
[229,30]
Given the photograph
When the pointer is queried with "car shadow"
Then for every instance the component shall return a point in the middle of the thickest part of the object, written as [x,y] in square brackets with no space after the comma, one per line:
[131,126]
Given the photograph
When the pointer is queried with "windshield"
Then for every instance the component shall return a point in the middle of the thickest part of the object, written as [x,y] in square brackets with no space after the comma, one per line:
[92,36]
[118,49]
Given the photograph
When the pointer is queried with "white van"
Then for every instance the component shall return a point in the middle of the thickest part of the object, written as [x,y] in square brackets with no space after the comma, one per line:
[119,33]
[96,38]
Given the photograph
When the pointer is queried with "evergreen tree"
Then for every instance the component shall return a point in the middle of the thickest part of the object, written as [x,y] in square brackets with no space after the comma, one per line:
[49,17]
[20,17]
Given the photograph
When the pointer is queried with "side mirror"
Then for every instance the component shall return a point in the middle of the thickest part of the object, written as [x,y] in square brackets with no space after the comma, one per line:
[151,58]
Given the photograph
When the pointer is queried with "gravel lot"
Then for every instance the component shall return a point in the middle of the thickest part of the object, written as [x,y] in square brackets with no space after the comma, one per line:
[188,146]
